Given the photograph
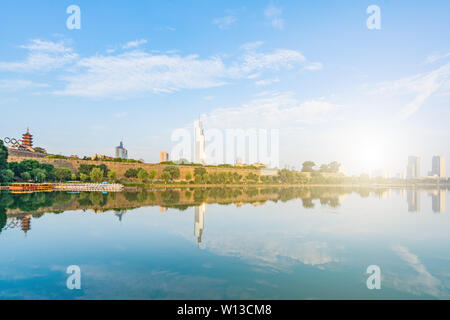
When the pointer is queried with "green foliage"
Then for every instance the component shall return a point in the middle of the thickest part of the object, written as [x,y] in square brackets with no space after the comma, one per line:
[56,156]
[131,173]
[87,168]
[188,176]
[142,175]
[173,171]
[152,174]
[308,166]
[201,171]
[3,156]
[26,176]
[112,176]
[96,175]
[166,176]
[62,174]
[84,177]
[6,176]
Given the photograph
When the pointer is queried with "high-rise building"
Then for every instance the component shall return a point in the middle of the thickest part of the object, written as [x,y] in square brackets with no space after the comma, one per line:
[163,156]
[200,143]
[438,166]
[121,152]
[413,168]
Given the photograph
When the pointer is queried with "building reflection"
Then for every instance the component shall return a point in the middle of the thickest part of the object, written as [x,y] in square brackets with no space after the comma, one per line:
[413,197]
[199,224]
[438,201]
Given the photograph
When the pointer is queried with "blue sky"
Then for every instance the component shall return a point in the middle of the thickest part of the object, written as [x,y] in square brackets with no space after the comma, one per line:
[312,69]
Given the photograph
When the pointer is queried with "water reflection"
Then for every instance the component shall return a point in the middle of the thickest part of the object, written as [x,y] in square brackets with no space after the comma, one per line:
[413,197]
[438,200]
[199,224]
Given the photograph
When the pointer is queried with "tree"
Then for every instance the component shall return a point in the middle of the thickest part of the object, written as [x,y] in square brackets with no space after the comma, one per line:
[38,175]
[112,176]
[73,177]
[201,171]
[206,178]
[308,166]
[152,174]
[131,173]
[142,175]
[26,176]
[40,150]
[96,175]
[84,177]
[174,172]
[62,174]
[166,176]
[324,168]
[188,176]
[6,176]
[198,178]
[334,167]
[3,156]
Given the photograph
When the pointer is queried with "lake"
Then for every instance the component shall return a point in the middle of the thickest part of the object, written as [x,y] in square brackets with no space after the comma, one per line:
[225,243]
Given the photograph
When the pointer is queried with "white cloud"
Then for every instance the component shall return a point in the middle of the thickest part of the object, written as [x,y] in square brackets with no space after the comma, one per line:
[274,110]
[417,89]
[263,83]
[273,14]
[423,281]
[436,57]
[225,23]
[252,45]
[42,56]
[120,115]
[20,84]
[140,72]
[312,66]
[134,44]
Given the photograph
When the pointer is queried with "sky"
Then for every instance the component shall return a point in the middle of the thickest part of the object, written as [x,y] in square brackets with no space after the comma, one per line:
[136,71]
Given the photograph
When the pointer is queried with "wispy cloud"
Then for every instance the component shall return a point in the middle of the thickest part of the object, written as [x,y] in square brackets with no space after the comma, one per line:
[274,110]
[423,281]
[266,82]
[42,56]
[436,57]
[20,84]
[274,15]
[417,89]
[134,44]
[225,23]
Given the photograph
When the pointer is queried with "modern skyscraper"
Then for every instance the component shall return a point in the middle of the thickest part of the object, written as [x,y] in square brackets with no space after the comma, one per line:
[438,166]
[200,143]
[413,168]
[163,156]
[121,152]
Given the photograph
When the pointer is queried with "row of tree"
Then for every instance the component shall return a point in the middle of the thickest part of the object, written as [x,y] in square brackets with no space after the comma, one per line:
[333,167]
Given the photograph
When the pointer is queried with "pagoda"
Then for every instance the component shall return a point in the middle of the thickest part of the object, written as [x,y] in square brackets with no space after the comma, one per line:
[27,140]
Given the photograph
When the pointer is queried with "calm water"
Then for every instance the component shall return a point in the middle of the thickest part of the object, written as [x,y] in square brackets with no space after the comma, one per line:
[226,244]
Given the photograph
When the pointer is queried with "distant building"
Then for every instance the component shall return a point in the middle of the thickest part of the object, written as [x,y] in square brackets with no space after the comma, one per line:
[200,143]
[163,156]
[27,139]
[101,157]
[413,168]
[121,152]
[438,166]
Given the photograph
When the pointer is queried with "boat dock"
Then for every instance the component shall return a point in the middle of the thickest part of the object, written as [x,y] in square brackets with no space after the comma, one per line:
[88,187]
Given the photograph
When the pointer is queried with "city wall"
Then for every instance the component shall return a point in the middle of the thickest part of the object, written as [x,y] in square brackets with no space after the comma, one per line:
[121,167]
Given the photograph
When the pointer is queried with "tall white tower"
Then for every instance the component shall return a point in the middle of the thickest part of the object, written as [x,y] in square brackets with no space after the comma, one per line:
[200,143]
[199,224]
